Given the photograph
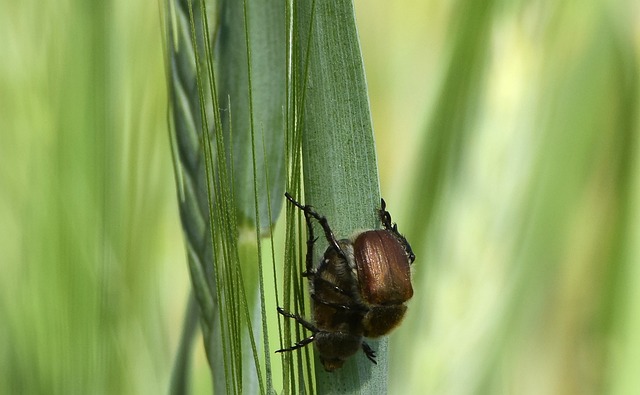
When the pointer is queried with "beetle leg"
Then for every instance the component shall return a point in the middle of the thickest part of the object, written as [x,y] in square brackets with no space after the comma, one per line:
[384,215]
[309,257]
[340,306]
[299,320]
[311,239]
[385,218]
[305,324]
[368,351]
[310,212]
[299,344]
[334,287]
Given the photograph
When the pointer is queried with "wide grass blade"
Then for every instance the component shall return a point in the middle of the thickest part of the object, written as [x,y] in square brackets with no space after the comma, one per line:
[251,69]
[340,170]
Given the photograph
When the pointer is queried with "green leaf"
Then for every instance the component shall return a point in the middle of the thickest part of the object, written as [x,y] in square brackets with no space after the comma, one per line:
[252,99]
[340,170]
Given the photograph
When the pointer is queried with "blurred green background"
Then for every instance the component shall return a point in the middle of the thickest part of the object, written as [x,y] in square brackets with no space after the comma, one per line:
[507,136]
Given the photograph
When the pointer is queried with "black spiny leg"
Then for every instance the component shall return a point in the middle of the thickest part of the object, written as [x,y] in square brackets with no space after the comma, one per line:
[299,320]
[305,324]
[311,239]
[299,344]
[355,308]
[385,218]
[368,351]
[328,233]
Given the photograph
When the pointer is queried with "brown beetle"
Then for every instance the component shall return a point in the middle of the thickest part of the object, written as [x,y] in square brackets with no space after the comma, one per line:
[358,290]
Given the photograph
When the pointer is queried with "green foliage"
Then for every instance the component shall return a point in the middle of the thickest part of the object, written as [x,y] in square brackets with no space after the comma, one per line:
[82,180]
[340,169]
[212,165]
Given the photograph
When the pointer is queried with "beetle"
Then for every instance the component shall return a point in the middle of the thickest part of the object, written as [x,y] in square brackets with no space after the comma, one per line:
[359,289]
